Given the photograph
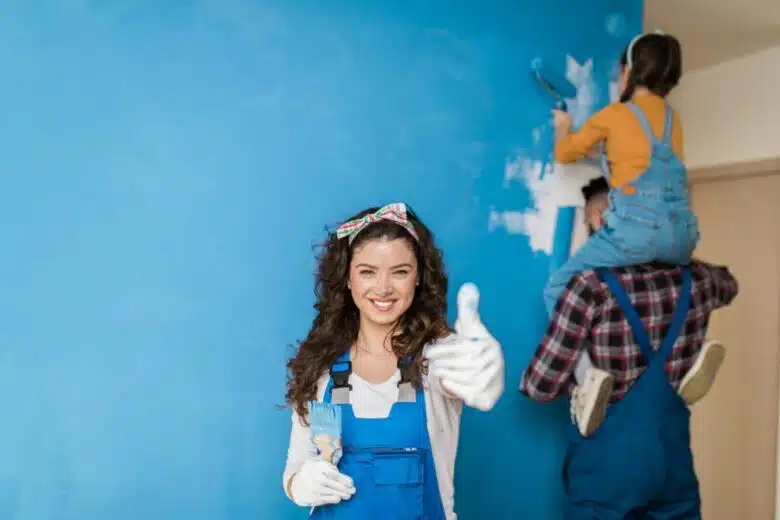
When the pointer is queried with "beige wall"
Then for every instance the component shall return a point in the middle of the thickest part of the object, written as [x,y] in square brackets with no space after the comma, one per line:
[731,112]
[736,460]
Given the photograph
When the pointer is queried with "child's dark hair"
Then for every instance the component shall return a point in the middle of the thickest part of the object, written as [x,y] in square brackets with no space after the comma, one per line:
[595,187]
[656,64]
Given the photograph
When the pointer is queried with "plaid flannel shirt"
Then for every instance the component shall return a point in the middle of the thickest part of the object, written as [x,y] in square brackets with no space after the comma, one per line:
[588,318]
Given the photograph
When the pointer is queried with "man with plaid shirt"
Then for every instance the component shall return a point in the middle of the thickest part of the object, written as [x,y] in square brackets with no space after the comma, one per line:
[645,325]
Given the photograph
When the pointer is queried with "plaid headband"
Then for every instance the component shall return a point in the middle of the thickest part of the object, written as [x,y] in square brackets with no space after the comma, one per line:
[395,212]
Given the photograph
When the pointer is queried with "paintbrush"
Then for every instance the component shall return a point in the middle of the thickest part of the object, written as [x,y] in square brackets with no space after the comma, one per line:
[325,426]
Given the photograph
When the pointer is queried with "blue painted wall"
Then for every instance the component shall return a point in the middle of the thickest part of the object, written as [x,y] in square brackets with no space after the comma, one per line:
[165,169]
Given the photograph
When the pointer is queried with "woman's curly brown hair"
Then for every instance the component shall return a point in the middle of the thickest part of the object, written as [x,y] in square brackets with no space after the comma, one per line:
[335,326]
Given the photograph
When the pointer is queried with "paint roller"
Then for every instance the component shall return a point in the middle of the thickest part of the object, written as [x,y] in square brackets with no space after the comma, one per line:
[554,83]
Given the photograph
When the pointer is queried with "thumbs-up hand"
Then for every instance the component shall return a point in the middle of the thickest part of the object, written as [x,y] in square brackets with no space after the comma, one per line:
[468,310]
[470,364]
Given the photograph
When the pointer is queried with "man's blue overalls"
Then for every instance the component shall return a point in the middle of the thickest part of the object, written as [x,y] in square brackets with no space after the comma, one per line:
[389,459]
[638,464]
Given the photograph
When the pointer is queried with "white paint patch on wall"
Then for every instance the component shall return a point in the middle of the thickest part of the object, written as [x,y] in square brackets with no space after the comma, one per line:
[581,76]
[614,92]
[512,221]
[551,185]
[615,24]
[612,86]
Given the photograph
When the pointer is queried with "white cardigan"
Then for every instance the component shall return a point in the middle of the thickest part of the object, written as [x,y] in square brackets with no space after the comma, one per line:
[374,401]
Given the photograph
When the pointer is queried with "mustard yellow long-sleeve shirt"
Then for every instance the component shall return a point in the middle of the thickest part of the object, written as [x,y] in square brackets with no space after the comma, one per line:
[627,146]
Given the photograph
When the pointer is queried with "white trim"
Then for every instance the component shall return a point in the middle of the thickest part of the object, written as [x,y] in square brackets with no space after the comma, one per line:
[579,232]
[760,168]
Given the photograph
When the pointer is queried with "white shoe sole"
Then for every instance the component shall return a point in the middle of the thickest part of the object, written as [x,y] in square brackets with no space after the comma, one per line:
[699,379]
[595,408]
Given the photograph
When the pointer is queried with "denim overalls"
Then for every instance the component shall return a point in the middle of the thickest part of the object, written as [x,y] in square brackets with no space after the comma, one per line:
[654,223]
[389,459]
[638,465]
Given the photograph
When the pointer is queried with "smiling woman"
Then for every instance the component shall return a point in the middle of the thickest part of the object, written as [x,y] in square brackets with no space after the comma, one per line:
[354,270]
[381,299]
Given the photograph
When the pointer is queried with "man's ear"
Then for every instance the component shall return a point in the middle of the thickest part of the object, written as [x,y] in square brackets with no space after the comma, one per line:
[593,215]
[598,220]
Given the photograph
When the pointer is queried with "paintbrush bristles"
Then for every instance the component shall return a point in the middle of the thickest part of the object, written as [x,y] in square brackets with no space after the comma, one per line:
[325,425]
[326,415]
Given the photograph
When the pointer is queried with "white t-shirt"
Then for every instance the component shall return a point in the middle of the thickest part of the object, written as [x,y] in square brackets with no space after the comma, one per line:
[373,401]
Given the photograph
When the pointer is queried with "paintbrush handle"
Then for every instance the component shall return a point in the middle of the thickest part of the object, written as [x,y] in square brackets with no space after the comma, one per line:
[329,448]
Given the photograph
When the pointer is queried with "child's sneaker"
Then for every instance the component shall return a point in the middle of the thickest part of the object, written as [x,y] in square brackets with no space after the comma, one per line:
[590,399]
[698,381]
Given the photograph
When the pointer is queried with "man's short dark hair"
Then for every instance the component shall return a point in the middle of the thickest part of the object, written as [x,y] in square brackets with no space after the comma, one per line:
[595,187]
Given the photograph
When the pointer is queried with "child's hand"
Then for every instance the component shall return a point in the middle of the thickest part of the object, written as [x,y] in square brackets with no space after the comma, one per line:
[561,120]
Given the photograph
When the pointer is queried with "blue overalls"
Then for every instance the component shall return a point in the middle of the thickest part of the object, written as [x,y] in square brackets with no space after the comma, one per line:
[653,223]
[389,459]
[638,465]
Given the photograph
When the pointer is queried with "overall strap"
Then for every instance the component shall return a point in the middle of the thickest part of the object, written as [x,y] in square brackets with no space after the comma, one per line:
[339,375]
[644,122]
[668,124]
[342,369]
[680,313]
[604,162]
[406,390]
[634,321]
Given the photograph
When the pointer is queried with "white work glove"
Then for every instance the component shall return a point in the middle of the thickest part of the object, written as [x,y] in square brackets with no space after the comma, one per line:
[319,482]
[470,366]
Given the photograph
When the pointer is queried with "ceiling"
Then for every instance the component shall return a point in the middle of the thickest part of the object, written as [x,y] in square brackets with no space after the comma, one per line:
[714,31]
